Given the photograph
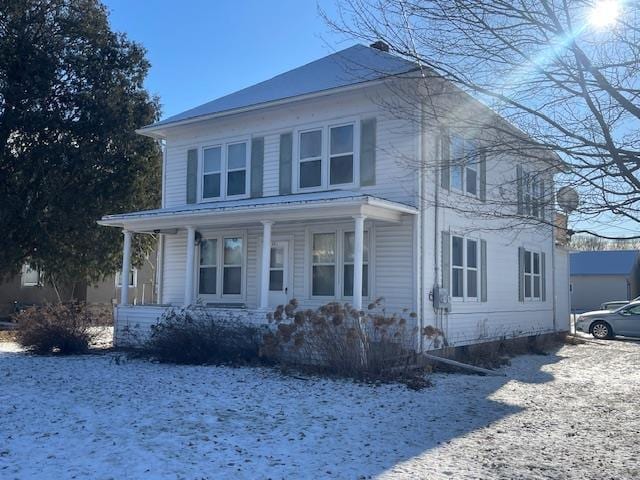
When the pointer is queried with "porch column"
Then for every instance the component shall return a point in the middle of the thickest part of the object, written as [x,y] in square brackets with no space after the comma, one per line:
[126,266]
[266,263]
[188,274]
[358,260]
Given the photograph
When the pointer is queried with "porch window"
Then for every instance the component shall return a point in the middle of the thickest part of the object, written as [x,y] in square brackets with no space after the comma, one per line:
[232,268]
[532,275]
[211,170]
[132,281]
[311,159]
[323,264]
[349,239]
[341,155]
[464,267]
[208,267]
[30,277]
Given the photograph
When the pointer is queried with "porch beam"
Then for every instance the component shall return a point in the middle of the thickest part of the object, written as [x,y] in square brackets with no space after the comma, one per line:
[126,266]
[188,274]
[266,263]
[358,261]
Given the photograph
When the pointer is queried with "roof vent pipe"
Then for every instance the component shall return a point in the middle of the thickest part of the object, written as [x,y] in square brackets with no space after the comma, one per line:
[380,45]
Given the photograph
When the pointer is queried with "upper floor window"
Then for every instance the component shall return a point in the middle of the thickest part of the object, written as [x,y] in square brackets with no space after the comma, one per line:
[463,169]
[224,171]
[326,157]
[533,196]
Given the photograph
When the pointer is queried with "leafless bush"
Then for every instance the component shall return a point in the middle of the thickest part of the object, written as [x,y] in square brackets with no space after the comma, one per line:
[372,345]
[195,336]
[61,328]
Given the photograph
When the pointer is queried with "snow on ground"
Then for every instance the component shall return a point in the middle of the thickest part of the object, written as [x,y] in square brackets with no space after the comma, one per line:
[569,415]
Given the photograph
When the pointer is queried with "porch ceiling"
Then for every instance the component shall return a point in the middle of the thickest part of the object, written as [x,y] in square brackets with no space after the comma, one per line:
[283,208]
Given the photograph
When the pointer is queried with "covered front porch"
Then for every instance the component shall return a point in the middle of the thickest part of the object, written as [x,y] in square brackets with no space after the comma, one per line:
[245,257]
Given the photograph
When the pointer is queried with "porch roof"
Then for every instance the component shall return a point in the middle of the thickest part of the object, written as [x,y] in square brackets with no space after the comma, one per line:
[299,207]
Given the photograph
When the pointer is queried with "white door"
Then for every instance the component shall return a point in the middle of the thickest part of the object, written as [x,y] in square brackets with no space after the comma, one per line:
[279,273]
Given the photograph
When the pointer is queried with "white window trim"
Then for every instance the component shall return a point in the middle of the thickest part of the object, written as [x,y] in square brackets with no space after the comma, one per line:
[118,281]
[532,297]
[224,170]
[326,127]
[339,231]
[465,268]
[473,166]
[25,283]
[219,296]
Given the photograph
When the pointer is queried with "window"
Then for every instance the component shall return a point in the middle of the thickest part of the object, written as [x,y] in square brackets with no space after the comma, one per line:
[232,267]
[349,241]
[463,169]
[311,159]
[341,155]
[323,265]
[208,275]
[236,169]
[464,267]
[327,156]
[224,171]
[533,195]
[211,171]
[220,269]
[532,275]
[30,277]
[133,278]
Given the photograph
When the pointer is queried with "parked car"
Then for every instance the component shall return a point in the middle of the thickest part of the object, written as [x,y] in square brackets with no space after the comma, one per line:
[614,305]
[624,321]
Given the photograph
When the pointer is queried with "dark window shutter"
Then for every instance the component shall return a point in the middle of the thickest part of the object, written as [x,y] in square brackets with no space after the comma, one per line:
[521,274]
[286,160]
[520,188]
[543,200]
[446,260]
[257,166]
[192,176]
[543,276]
[368,152]
[445,159]
[483,270]
[482,160]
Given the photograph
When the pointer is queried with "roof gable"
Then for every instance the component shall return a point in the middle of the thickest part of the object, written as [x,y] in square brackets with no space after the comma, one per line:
[606,262]
[351,66]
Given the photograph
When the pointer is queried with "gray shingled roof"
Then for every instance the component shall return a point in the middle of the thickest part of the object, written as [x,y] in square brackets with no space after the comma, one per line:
[607,262]
[353,65]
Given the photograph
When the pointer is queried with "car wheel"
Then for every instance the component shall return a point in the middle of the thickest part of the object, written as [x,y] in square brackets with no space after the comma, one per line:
[601,330]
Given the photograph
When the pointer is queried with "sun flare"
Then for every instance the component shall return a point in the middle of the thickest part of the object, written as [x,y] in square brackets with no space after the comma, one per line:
[604,13]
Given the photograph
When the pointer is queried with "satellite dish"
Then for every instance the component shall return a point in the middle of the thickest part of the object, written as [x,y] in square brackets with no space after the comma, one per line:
[568,199]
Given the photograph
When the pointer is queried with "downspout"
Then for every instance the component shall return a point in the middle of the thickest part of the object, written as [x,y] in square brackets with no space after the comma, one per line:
[436,223]
[553,278]
[421,226]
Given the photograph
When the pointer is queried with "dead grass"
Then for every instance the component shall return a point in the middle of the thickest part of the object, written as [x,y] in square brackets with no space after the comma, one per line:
[7,336]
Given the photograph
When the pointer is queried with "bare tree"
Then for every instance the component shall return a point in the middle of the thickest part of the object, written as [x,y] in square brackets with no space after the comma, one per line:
[563,74]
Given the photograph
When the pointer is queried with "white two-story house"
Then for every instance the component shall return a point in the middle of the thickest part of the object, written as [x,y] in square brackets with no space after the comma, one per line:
[305,186]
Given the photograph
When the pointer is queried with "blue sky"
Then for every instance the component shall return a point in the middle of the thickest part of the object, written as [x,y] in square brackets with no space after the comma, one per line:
[200,50]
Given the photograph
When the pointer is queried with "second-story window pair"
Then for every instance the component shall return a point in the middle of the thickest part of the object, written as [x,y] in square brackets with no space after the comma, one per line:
[339,160]
[224,171]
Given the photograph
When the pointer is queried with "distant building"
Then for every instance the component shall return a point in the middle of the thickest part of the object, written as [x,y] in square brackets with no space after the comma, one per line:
[29,288]
[603,276]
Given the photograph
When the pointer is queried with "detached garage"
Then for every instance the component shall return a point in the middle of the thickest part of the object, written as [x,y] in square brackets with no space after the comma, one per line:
[604,276]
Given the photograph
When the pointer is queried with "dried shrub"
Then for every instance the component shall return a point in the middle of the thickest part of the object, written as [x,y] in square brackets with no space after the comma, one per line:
[195,336]
[371,345]
[61,328]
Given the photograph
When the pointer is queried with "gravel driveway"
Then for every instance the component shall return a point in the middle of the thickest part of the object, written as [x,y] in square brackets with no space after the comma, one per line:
[573,414]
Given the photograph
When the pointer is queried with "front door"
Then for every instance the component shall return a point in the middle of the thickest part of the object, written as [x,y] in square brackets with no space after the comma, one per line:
[279,273]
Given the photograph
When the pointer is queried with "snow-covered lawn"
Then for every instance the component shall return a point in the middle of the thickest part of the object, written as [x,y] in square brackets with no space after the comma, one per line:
[569,415]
